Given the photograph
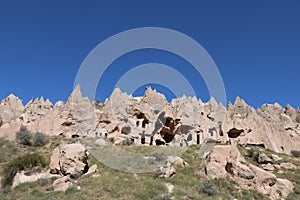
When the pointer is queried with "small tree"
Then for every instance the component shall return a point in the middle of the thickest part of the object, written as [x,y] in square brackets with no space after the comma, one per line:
[295,153]
[39,139]
[23,136]
[127,141]
[208,188]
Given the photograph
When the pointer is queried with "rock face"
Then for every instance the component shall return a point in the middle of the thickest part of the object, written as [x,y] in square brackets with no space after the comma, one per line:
[10,108]
[69,159]
[226,161]
[152,120]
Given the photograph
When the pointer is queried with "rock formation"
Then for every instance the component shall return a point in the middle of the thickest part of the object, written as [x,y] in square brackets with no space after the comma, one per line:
[151,120]
[226,161]
[69,159]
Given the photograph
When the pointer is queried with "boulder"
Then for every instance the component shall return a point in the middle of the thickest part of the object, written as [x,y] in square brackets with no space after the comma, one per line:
[288,166]
[268,167]
[62,184]
[73,159]
[264,179]
[69,159]
[263,159]
[54,161]
[177,161]
[165,171]
[275,157]
[284,186]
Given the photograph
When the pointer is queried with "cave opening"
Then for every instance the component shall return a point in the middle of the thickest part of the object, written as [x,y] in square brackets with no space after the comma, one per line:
[198,138]
[140,115]
[143,124]
[158,142]
[151,140]
[234,133]
[143,138]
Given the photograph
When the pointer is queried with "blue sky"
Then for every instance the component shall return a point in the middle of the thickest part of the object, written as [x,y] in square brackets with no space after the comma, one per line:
[255,44]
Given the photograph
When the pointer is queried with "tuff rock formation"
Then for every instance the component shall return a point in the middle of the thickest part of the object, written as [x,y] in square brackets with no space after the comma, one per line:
[152,120]
[69,159]
[225,161]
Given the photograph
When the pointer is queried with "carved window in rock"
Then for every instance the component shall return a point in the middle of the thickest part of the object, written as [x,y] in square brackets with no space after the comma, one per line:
[198,138]
[143,138]
[212,132]
[143,124]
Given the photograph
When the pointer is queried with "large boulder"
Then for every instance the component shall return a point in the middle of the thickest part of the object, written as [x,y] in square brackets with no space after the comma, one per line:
[69,159]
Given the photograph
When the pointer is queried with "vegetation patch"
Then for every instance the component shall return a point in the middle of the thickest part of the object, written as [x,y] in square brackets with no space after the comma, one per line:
[20,163]
[25,137]
[295,153]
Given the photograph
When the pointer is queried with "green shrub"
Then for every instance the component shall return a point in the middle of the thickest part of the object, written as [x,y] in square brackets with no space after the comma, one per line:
[111,140]
[39,139]
[23,136]
[228,185]
[252,195]
[250,153]
[208,188]
[295,153]
[71,190]
[27,161]
[127,141]
[256,155]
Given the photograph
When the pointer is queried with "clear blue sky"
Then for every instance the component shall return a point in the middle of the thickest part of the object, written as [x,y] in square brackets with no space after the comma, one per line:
[255,44]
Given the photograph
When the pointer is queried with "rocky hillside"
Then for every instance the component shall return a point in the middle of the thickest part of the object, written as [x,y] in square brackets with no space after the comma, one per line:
[233,152]
[151,120]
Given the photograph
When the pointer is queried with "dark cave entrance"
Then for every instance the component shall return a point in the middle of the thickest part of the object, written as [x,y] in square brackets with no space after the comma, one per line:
[234,133]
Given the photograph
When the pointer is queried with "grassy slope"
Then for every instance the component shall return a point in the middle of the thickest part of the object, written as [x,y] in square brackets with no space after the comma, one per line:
[108,183]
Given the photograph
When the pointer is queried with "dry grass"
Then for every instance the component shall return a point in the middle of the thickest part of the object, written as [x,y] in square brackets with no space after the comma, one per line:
[108,183]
